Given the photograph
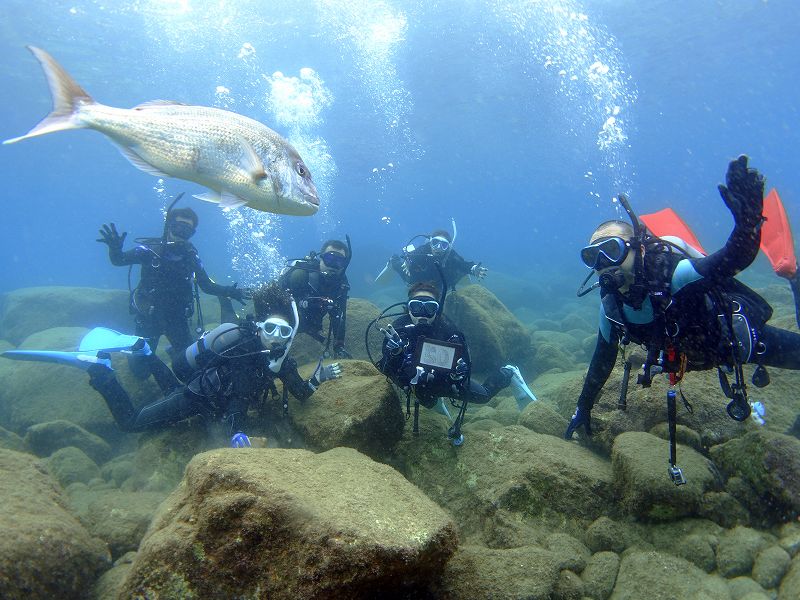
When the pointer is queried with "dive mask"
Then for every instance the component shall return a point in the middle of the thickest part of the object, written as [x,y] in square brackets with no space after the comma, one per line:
[610,252]
[439,244]
[181,230]
[423,308]
[334,260]
[274,331]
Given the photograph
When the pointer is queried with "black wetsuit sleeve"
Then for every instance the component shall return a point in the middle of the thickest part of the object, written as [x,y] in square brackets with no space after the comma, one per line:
[458,267]
[397,263]
[603,359]
[237,414]
[208,285]
[136,256]
[737,254]
[297,386]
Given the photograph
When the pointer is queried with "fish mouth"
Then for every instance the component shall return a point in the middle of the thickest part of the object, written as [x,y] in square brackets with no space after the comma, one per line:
[311,199]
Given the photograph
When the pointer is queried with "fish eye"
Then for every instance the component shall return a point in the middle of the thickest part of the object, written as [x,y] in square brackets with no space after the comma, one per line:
[301,169]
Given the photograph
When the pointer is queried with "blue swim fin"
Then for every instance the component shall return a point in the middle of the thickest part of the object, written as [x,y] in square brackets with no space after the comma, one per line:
[82,360]
[108,340]
[522,393]
[93,349]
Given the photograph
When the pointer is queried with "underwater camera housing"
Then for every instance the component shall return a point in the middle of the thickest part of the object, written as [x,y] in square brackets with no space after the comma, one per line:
[437,354]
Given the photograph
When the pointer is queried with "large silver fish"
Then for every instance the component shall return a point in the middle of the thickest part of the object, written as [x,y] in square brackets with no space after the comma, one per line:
[242,161]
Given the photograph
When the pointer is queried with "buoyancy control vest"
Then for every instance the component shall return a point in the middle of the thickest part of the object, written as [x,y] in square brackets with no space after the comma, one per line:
[701,322]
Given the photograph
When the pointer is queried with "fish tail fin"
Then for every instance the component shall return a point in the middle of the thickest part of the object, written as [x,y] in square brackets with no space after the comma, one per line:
[67,95]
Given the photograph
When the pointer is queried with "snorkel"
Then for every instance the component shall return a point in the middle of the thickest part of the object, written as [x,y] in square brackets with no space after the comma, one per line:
[277,356]
[637,291]
[167,218]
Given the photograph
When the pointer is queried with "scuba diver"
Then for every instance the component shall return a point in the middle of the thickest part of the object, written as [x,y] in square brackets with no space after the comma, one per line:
[319,284]
[222,374]
[423,353]
[171,272]
[418,264]
[686,308]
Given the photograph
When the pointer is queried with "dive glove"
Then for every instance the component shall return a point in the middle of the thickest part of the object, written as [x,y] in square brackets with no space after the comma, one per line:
[394,343]
[111,237]
[240,440]
[478,271]
[461,370]
[332,371]
[239,294]
[743,192]
[581,418]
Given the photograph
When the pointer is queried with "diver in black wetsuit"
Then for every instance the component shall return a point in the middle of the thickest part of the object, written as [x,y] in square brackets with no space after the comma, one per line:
[319,285]
[163,301]
[443,369]
[223,373]
[689,312]
[420,263]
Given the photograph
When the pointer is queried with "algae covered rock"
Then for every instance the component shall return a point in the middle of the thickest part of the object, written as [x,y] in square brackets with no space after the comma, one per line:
[600,575]
[610,535]
[37,393]
[70,465]
[46,438]
[44,550]
[118,518]
[640,463]
[11,441]
[656,576]
[790,586]
[542,417]
[737,551]
[477,572]
[770,566]
[291,524]
[769,463]
[28,310]
[361,410]
[508,468]
[495,336]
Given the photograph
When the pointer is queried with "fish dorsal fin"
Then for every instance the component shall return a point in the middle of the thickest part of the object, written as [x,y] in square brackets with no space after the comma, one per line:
[251,162]
[156,103]
[140,163]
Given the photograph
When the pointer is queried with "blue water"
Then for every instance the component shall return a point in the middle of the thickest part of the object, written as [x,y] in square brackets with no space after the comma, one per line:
[521,120]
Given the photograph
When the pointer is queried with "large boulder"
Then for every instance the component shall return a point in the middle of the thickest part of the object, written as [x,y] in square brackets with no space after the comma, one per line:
[361,410]
[118,518]
[477,572]
[34,392]
[509,468]
[494,334]
[44,551]
[768,464]
[291,524]
[656,576]
[46,438]
[26,311]
[640,474]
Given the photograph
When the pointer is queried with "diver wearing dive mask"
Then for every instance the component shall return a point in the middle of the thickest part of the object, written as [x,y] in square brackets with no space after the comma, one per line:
[165,297]
[687,309]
